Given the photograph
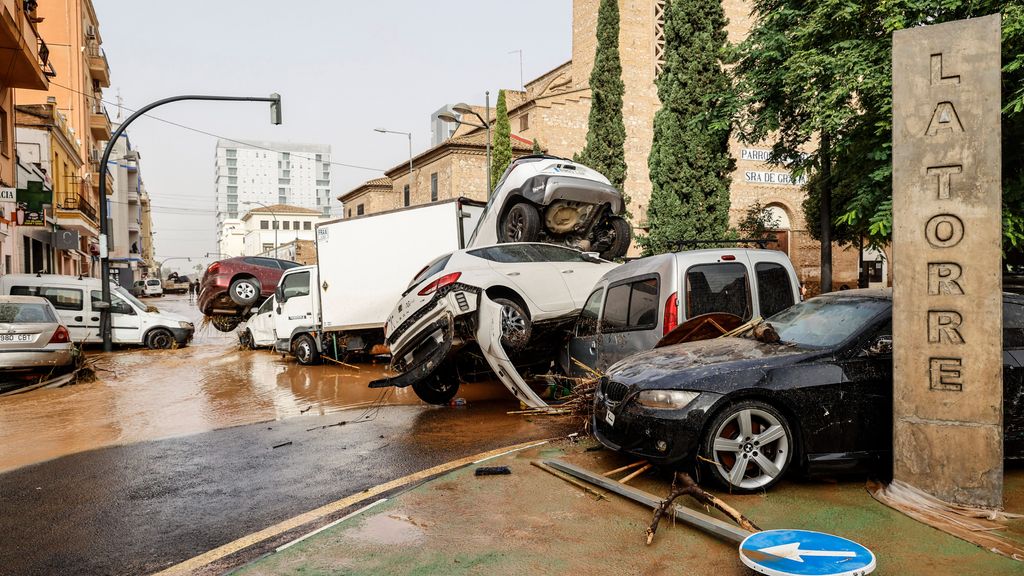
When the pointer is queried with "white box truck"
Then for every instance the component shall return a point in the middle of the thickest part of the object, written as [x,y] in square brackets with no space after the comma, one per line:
[364,264]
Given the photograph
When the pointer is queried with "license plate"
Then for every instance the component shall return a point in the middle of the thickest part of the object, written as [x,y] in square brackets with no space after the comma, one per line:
[609,417]
[16,337]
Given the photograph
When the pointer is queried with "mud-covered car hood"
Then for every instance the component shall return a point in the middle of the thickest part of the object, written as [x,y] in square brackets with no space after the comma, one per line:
[718,365]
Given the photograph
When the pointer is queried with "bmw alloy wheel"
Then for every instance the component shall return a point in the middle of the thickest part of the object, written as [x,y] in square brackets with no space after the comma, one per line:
[245,291]
[751,448]
[513,325]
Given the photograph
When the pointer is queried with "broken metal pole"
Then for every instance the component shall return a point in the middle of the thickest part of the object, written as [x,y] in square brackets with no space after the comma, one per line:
[708,524]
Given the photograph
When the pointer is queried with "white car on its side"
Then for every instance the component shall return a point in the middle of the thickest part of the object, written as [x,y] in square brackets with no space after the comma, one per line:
[505,298]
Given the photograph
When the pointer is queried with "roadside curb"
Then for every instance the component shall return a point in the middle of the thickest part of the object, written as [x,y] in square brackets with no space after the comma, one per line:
[202,560]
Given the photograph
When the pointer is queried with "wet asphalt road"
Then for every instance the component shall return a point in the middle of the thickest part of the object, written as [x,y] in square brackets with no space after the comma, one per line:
[142,507]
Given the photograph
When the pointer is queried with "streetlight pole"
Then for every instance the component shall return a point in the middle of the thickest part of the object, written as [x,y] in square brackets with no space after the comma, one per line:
[277,224]
[275,117]
[412,185]
[464,109]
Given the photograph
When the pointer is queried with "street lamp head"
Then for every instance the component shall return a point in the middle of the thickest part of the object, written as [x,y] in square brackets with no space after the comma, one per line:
[381,130]
[446,117]
[462,108]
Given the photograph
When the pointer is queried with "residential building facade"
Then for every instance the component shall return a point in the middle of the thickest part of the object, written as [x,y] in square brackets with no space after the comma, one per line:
[25,58]
[71,29]
[127,263]
[265,229]
[252,173]
[45,141]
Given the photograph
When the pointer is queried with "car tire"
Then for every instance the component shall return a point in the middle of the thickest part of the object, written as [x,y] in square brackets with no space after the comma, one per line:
[246,341]
[304,349]
[750,460]
[622,234]
[244,291]
[225,323]
[440,387]
[516,327]
[521,224]
[160,339]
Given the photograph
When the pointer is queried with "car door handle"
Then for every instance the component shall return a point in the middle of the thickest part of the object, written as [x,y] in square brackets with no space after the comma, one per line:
[512,274]
[94,319]
[78,318]
[570,271]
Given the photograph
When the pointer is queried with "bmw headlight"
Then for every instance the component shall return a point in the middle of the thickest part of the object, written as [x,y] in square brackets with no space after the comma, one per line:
[666,399]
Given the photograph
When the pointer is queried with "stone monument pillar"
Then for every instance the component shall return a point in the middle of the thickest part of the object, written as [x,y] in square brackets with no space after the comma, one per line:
[947,310]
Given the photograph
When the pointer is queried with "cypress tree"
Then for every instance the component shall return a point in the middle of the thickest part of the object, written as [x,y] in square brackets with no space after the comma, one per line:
[605,150]
[501,153]
[689,163]
[536,147]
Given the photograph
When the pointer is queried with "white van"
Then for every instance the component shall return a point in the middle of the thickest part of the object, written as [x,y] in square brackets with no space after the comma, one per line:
[154,287]
[75,299]
[633,306]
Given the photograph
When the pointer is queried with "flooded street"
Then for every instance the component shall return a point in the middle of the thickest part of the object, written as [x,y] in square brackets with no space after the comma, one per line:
[144,394]
[169,454]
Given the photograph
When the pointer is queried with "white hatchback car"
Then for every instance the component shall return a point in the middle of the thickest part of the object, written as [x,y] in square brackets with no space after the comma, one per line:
[447,304]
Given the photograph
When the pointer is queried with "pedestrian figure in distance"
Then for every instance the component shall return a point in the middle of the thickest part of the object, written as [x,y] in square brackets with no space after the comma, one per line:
[193,287]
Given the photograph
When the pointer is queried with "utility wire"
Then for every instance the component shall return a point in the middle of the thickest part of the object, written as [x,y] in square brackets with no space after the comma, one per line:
[200,131]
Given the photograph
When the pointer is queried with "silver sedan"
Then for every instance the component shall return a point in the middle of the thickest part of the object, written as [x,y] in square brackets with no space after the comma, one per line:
[31,336]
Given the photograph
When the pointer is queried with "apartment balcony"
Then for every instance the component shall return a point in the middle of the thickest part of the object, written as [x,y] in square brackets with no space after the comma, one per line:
[98,67]
[99,123]
[74,211]
[22,53]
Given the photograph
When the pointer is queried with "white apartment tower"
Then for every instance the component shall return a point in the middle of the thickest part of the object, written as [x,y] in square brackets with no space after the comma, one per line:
[272,173]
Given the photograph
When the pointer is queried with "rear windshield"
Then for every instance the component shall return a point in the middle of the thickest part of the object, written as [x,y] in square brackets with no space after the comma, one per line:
[718,288]
[25,313]
[774,289]
[153,282]
[431,269]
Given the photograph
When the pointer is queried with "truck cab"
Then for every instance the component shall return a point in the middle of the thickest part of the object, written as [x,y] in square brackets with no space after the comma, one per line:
[297,314]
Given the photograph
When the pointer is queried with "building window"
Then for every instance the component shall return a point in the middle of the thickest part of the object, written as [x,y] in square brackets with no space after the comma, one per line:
[317,200]
[232,207]
[405,195]
[327,212]
[232,189]
[524,122]
[232,162]
[276,225]
[307,225]
[264,225]
[231,153]
[287,225]
[433,187]
[232,171]
[268,247]
[232,198]
[359,210]
[232,180]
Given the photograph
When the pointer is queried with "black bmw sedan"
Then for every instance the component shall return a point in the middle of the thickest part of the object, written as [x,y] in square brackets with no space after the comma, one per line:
[818,396]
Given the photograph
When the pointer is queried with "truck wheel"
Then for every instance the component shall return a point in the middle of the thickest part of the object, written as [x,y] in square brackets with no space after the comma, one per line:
[244,291]
[622,234]
[225,323]
[305,350]
[515,325]
[160,339]
[521,224]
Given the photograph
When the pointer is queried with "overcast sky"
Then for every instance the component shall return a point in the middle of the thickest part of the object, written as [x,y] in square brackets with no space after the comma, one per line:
[342,68]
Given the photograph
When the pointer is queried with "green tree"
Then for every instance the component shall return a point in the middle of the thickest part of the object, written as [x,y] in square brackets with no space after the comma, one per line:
[758,223]
[816,79]
[536,147]
[605,150]
[501,148]
[689,163]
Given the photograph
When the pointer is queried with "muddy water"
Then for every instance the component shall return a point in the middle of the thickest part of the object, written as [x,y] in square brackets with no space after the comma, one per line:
[146,395]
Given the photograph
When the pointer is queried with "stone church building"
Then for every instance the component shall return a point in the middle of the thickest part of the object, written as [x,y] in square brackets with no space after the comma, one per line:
[554,108]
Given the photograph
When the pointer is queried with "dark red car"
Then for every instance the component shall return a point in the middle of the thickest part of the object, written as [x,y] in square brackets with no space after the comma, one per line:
[232,287]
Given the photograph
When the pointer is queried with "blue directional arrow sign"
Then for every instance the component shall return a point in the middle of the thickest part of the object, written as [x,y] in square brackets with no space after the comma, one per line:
[805,553]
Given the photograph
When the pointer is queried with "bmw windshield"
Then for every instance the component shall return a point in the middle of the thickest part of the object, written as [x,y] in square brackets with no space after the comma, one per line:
[826,322]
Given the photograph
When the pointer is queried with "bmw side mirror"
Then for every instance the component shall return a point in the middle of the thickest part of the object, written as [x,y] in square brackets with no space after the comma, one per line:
[881,347]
